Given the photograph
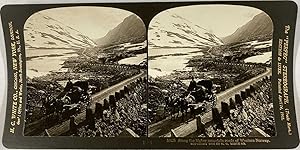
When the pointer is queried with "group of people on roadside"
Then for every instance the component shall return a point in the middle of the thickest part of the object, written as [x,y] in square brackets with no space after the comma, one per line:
[197,99]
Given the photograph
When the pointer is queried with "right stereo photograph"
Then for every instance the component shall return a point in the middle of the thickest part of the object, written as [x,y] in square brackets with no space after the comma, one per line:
[209,72]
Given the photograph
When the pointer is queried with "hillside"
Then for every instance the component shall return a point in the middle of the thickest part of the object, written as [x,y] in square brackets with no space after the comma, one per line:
[42,31]
[171,30]
[260,27]
[131,30]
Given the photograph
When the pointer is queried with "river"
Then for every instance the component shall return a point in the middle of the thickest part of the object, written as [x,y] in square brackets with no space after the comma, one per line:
[263,58]
[135,60]
[44,61]
[164,61]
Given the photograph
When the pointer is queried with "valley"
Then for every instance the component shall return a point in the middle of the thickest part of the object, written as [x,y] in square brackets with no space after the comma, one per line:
[69,73]
[194,75]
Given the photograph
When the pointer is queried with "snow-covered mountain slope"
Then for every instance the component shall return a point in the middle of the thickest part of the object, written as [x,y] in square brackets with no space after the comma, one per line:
[130,30]
[260,27]
[171,30]
[42,31]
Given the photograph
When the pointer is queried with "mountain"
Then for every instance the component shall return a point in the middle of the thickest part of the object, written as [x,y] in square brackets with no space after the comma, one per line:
[260,26]
[130,30]
[42,31]
[171,30]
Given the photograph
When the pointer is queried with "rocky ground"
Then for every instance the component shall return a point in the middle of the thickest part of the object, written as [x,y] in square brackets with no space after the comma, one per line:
[257,112]
[131,112]
[158,90]
[38,92]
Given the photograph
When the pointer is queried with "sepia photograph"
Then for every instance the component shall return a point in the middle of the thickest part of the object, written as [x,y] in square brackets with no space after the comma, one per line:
[86,73]
[210,72]
[150,75]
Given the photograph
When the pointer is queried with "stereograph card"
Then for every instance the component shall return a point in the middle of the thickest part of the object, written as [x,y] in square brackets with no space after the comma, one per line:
[150,75]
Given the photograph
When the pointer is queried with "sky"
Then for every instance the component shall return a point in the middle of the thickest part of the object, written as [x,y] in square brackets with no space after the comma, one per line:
[221,20]
[93,22]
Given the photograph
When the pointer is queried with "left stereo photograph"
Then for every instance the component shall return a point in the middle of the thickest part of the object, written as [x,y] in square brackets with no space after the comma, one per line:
[86,73]
[150,75]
